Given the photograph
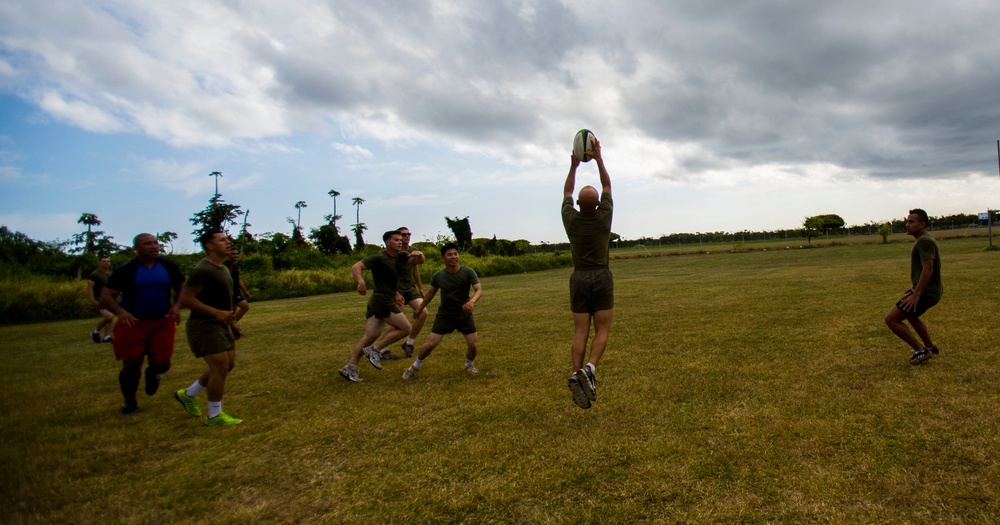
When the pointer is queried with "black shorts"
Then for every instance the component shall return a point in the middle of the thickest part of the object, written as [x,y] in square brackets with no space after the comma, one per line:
[924,304]
[591,291]
[381,307]
[445,324]
[238,298]
[410,295]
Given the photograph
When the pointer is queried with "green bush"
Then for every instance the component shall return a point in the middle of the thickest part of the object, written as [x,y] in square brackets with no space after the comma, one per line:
[33,299]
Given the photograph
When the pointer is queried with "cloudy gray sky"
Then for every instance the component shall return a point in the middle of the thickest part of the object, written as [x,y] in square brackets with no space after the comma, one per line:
[713,115]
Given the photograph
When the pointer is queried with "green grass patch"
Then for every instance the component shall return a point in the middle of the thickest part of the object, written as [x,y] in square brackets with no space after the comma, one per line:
[752,387]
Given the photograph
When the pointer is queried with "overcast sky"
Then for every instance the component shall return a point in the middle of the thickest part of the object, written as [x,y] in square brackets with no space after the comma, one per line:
[713,115]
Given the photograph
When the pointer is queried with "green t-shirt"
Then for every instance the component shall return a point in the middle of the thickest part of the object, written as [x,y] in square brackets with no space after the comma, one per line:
[406,281]
[589,234]
[213,286]
[386,270]
[100,280]
[926,248]
[454,288]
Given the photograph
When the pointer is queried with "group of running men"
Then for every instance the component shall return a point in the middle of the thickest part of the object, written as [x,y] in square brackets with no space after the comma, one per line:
[148,314]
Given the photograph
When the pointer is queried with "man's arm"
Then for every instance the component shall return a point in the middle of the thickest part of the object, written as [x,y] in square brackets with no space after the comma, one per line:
[605,178]
[175,310]
[190,301]
[926,272]
[416,257]
[571,178]
[416,279]
[358,278]
[427,299]
[90,293]
[467,307]
[109,298]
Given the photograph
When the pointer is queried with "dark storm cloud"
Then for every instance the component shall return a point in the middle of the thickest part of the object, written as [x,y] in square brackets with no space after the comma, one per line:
[892,89]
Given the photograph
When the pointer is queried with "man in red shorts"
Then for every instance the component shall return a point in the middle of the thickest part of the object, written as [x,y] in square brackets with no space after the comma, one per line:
[147,316]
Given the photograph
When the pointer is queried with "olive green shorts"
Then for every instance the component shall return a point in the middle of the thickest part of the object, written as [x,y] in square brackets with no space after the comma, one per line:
[591,291]
[208,336]
[381,307]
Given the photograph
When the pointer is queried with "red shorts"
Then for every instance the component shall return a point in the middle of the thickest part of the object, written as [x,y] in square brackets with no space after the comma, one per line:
[146,336]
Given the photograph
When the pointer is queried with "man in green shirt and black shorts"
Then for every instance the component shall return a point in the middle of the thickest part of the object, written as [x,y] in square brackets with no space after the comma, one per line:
[591,286]
[925,276]
[96,282]
[455,312]
[386,266]
[208,292]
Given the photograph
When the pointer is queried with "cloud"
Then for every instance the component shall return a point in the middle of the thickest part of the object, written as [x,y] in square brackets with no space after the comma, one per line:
[353,151]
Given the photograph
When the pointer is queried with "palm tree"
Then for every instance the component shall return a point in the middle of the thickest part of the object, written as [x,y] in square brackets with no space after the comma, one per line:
[216,174]
[334,194]
[298,206]
[90,220]
[358,201]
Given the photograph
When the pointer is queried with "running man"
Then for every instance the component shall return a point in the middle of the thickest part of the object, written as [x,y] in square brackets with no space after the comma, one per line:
[147,316]
[386,267]
[208,292]
[241,296]
[410,292]
[96,282]
[455,312]
[925,276]
[591,286]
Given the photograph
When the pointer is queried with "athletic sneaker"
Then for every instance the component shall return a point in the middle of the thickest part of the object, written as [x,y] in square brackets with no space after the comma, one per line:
[471,368]
[95,336]
[934,349]
[919,356]
[590,385]
[579,396]
[387,355]
[408,349]
[350,373]
[222,420]
[408,373]
[190,404]
[107,339]
[373,357]
[152,382]
[129,408]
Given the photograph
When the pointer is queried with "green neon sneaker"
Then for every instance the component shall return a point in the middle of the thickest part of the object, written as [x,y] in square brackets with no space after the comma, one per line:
[222,420]
[190,403]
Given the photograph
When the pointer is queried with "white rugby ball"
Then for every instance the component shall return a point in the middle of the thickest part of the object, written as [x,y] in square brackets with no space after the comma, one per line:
[583,144]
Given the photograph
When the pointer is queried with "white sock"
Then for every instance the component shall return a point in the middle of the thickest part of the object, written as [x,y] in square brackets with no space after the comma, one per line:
[591,367]
[214,408]
[416,364]
[468,363]
[194,389]
[410,341]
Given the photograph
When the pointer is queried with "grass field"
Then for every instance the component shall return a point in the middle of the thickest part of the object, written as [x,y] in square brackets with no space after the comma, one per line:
[756,387]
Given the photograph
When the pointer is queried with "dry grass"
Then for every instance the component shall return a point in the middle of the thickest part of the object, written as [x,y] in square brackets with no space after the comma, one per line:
[753,387]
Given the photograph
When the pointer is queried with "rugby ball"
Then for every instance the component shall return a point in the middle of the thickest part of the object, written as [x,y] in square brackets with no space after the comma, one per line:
[583,144]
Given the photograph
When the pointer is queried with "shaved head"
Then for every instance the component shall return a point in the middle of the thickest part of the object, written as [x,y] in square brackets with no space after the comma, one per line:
[589,199]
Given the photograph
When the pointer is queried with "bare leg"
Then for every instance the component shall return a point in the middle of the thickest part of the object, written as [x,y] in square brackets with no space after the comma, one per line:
[602,327]
[219,366]
[472,342]
[920,327]
[894,320]
[581,332]
[400,328]
[425,349]
[373,327]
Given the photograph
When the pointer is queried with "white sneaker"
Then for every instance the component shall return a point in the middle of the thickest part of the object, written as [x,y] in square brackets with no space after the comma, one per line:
[408,373]
[350,373]
[373,357]
[471,368]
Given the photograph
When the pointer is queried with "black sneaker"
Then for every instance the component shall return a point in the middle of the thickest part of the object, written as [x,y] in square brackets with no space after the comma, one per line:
[129,408]
[152,382]
[933,349]
[919,356]
[95,336]
[408,349]
[387,355]
[576,388]
[107,339]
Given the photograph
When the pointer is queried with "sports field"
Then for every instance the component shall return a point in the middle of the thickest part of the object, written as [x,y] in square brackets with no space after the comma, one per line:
[756,387]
